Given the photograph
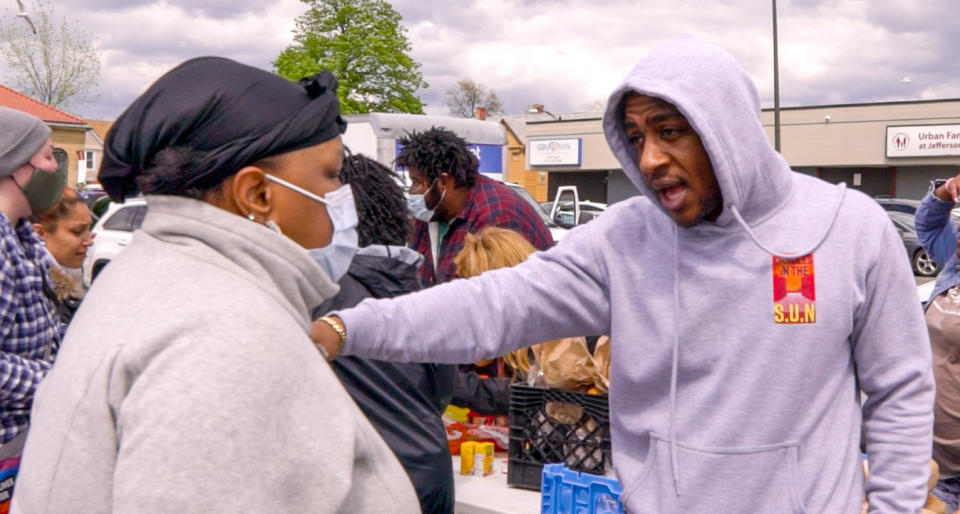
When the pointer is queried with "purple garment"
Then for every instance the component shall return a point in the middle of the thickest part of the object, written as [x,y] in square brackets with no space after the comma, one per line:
[715,405]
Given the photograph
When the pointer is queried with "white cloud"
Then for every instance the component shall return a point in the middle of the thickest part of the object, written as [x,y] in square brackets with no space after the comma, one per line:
[565,54]
[139,43]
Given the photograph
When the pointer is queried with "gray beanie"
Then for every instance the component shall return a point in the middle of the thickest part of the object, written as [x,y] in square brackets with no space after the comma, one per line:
[21,136]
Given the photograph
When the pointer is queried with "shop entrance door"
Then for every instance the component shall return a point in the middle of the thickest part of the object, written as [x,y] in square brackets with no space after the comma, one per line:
[592,185]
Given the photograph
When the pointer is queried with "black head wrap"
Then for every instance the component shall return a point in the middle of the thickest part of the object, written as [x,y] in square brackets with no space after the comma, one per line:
[236,114]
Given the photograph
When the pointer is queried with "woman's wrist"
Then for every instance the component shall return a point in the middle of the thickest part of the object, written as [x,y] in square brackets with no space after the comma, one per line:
[331,349]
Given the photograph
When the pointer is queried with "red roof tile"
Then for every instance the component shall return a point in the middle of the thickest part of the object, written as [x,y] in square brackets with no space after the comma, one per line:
[16,100]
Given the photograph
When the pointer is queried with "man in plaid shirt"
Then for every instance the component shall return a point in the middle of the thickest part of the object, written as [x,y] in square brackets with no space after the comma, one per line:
[451,198]
[30,328]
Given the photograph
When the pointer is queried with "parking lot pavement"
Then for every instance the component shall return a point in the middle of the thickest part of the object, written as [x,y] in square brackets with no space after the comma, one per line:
[923,280]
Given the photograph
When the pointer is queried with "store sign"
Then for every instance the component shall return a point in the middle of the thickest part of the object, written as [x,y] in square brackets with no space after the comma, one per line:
[553,152]
[923,140]
[489,156]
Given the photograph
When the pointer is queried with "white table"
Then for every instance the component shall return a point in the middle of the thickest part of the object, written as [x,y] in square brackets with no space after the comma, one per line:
[491,494]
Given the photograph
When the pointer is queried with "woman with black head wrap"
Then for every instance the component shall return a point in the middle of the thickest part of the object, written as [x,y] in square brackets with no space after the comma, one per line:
[188,382]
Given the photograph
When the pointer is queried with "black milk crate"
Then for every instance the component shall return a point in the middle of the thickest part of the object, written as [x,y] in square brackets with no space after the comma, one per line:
[549,425]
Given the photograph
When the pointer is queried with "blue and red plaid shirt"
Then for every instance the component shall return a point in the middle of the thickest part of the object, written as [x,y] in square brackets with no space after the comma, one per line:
[489,203]
[30,327]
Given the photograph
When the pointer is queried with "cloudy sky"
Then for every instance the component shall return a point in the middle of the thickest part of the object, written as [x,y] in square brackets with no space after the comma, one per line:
[565,54]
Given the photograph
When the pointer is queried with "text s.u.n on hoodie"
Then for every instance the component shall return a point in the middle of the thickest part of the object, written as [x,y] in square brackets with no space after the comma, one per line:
[736,376]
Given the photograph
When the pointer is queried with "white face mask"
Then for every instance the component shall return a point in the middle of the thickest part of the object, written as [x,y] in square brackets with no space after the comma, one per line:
[334,258]
[417,205]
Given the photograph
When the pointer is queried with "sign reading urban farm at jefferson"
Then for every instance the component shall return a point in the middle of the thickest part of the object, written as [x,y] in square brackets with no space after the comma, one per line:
[923,140]
[552,152]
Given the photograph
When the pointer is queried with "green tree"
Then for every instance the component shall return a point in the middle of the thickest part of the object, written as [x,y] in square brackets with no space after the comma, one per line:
[363,43]
[463,99]
[58,65]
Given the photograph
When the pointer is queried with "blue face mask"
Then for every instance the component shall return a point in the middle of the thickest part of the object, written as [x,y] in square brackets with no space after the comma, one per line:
[417,206]
[334,258]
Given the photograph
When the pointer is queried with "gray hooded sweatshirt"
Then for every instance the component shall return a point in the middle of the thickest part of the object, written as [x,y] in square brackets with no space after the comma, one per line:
[715,405]
[188,383]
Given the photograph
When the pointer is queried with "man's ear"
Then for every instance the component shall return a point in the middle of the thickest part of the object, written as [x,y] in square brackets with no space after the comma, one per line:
[446,179]
[251,194]
[38,228]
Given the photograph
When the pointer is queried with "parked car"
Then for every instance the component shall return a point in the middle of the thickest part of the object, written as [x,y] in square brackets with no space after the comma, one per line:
[925,290]
[910,206]
[114,231]
[566,212]
[556,231]
[588,210]
[90,196]
[922,263]
[899,204]
[99,207]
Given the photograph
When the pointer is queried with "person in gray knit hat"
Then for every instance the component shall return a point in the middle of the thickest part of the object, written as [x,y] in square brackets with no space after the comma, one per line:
[25,149]
[30,327]
[23,136]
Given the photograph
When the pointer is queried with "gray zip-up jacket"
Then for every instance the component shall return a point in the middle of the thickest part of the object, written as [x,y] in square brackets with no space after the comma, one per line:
[188,383]
[734,381]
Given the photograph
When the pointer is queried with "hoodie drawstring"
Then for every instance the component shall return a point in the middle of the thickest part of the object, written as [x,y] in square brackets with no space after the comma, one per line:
[836,212]
[676,358]
[676,312]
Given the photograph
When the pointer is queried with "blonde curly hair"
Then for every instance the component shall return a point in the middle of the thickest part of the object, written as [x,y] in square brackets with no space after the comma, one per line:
[489,249]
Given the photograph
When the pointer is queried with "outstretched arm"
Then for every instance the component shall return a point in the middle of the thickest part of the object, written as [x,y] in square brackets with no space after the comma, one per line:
[558,293]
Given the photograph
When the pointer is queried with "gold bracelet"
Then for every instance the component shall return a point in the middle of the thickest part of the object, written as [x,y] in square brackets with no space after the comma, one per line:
[341,331]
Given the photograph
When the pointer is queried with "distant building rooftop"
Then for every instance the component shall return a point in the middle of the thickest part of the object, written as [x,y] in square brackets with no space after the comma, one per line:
[17,100]
[100,128]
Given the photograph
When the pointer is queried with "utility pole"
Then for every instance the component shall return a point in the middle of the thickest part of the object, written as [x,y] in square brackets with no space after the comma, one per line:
[776,83]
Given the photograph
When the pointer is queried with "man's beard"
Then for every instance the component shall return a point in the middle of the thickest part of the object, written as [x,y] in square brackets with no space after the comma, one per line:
[709,205]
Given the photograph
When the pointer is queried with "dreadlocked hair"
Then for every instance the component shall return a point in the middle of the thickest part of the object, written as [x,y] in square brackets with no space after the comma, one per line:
[437,151]
[381,206]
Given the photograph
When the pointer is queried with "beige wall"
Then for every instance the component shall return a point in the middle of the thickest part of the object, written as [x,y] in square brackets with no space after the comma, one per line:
[70,139]
[596,154]
[855,135]
[533,181]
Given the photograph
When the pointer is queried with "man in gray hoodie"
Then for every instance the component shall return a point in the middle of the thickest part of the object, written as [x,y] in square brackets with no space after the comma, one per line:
[749,306]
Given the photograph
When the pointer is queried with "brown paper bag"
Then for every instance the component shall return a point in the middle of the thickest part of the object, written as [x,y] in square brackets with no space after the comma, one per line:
[566,364]
[601,357]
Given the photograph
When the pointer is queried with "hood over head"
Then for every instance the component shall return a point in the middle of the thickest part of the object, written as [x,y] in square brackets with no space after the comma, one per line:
[712,90]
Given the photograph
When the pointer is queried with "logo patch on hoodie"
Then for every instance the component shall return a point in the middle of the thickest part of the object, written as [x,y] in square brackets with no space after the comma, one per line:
[794,293]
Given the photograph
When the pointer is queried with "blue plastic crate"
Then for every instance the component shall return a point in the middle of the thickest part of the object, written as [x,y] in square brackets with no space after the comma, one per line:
[564,491]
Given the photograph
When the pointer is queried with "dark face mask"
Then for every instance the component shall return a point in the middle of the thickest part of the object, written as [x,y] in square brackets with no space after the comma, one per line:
[44,189]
